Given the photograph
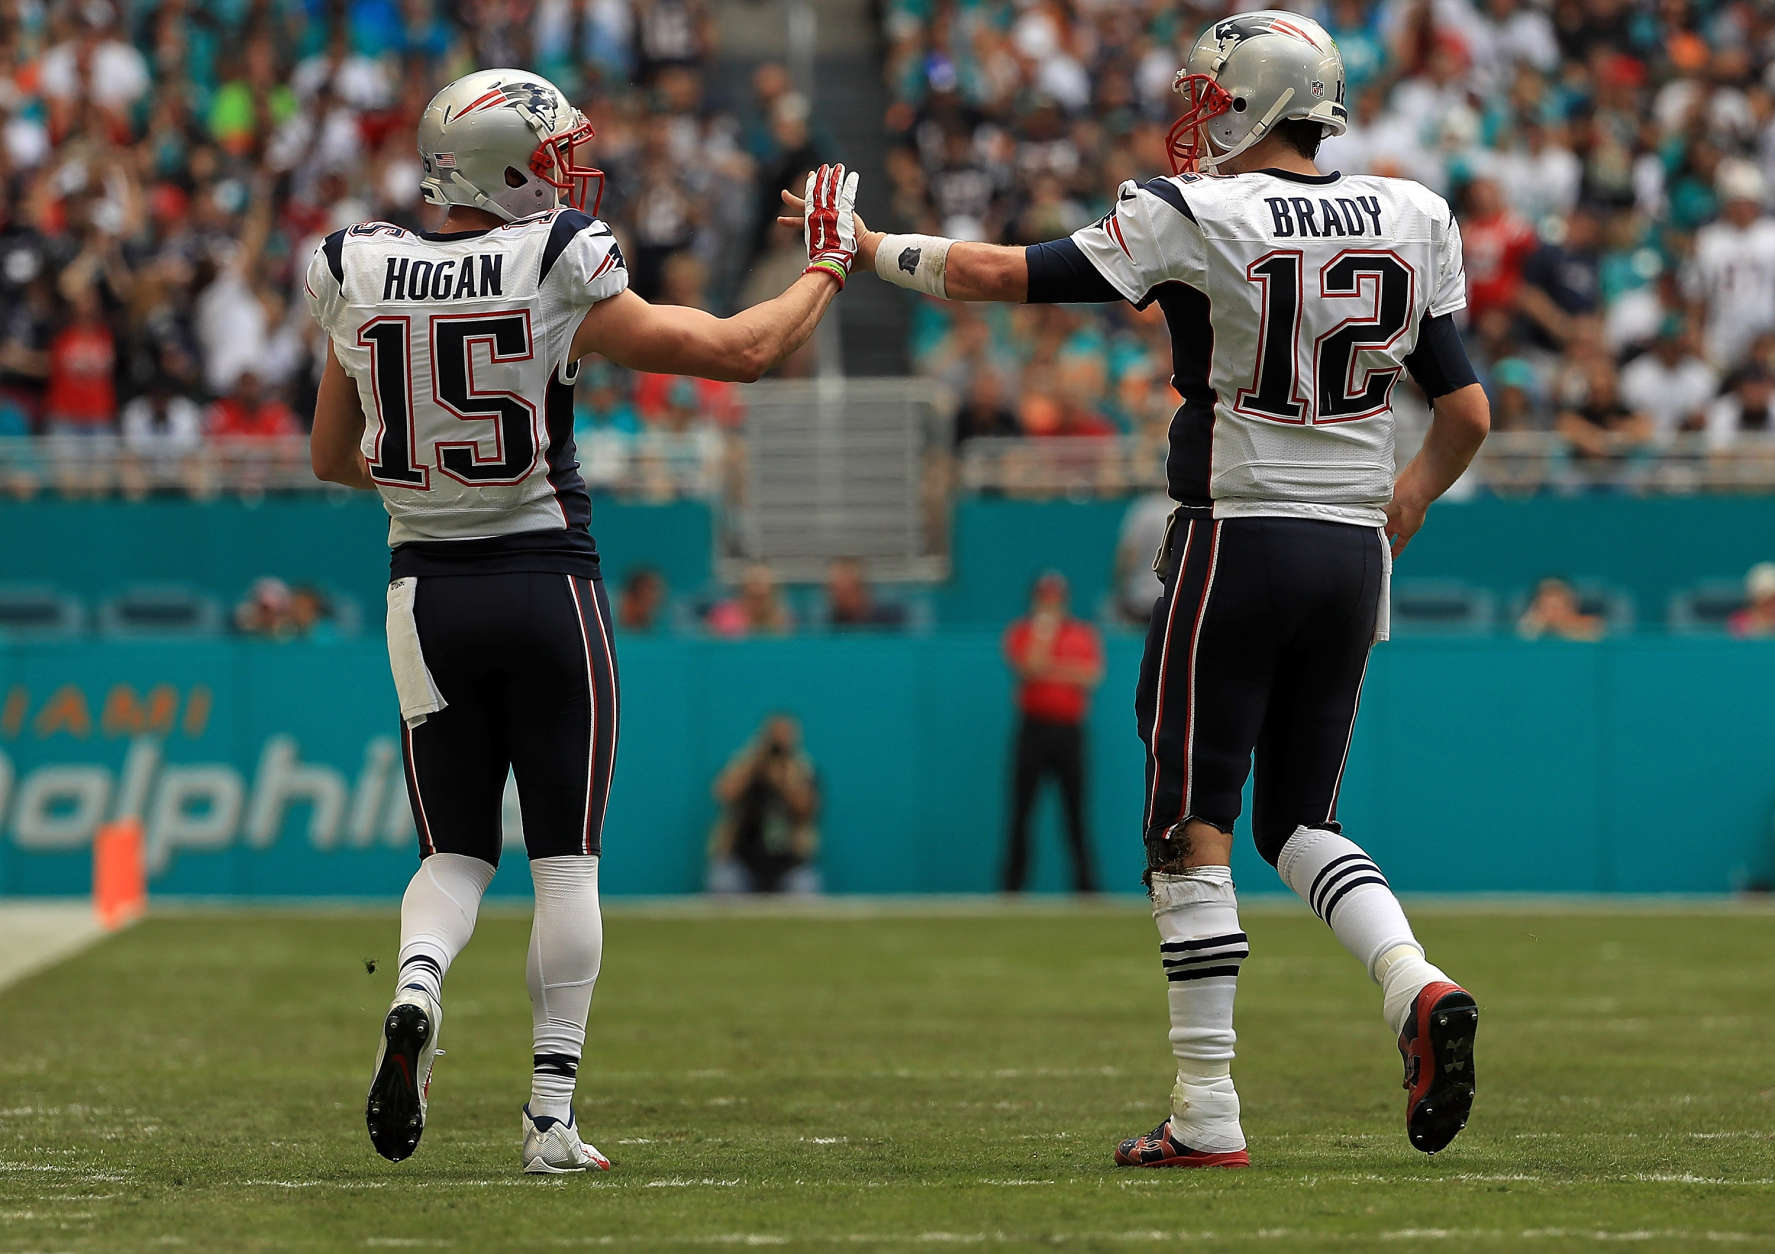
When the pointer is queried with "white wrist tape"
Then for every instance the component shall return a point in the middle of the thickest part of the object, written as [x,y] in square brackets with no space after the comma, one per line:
[915,261]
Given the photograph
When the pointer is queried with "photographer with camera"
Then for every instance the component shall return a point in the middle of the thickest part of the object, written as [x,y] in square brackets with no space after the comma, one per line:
[766,839]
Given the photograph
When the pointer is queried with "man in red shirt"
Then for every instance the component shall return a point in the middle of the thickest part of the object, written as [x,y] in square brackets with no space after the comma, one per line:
[82,393]
[1058,660]
[246,413]
[1497,242]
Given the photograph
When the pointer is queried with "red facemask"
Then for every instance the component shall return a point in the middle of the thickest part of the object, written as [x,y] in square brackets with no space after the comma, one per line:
[556,162]
[1204,100]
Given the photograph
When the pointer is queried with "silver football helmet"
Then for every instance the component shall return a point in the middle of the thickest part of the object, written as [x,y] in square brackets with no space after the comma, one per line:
[506,141]
[1246,74]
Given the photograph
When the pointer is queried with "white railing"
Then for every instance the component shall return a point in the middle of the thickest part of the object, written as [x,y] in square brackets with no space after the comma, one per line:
[841,468]
[856,466]
[1511,463]
[651,465]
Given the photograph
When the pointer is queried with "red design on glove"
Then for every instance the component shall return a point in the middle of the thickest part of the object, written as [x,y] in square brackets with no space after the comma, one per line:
[829,221]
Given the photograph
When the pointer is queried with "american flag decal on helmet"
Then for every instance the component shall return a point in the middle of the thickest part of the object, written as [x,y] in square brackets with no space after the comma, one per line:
[444,160]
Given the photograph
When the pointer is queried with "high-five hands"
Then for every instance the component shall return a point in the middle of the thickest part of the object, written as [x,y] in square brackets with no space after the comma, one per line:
[829,221]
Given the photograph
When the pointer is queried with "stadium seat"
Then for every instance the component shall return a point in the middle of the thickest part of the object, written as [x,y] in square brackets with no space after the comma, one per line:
[913,601]
[1612,605]
[159,610]
[1704,608]
[348,616]
[35,612]
[1441,607]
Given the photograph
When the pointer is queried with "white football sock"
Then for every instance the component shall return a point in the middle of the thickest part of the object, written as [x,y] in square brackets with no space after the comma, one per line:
[438,917]
[1201,947]
[566,950]
[1345,888]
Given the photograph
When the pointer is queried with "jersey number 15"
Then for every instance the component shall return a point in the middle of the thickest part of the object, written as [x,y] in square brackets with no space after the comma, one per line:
[451,340]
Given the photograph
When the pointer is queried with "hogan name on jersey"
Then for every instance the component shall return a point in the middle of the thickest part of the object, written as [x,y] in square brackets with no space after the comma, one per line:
[459,278]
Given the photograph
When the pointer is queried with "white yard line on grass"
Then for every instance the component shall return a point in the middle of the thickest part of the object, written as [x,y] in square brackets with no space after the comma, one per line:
[35,935]
[1309,1237]
[984,905]
[1310,1180]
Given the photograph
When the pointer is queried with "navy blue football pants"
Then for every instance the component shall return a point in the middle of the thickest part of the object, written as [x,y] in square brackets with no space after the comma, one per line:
[1257,650]
[526,664]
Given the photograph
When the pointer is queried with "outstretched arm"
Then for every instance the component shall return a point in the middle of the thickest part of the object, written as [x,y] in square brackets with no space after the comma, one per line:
[970,271]
[671,339]
[962,270]
[675,339]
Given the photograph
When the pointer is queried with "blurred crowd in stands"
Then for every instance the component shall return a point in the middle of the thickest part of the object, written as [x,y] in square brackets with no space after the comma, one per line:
[1612,164]
[759,605]
[167,166]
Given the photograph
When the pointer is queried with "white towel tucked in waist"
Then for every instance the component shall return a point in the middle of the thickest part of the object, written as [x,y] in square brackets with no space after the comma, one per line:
[413,685]
[1383,614]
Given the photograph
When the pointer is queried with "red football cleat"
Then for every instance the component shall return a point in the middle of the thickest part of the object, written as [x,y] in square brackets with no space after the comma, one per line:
[1159,1148]
[1437,1045]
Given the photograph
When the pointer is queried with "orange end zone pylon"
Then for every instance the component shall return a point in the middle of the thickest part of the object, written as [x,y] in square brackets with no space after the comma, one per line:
[119,874]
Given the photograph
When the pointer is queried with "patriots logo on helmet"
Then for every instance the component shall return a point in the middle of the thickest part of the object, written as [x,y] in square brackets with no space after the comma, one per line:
[1236,29]
[533,96]
[527,94]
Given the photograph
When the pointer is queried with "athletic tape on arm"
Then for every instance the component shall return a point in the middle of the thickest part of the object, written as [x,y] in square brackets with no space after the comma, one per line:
[919,262]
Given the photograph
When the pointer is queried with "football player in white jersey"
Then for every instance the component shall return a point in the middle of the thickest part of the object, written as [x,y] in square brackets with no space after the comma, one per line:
[1295,299]
[448,389]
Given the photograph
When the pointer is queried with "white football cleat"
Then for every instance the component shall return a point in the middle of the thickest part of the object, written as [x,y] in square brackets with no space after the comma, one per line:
[552,1147]
[395,1109]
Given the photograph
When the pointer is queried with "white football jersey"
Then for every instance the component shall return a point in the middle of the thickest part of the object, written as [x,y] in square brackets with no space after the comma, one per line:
[1293,301]
[1733,271]
[458,345]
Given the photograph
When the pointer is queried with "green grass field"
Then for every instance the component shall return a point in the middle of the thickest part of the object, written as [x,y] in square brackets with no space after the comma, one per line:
[889,1081]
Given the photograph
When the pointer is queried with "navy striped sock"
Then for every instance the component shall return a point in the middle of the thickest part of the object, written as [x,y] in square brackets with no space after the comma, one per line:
[552,1077]
[1204,957]
[423,972]
[1343,886]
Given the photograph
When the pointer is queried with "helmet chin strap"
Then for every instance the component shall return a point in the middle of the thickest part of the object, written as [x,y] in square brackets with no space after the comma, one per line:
[1257,132]
[478,200]
[484,201]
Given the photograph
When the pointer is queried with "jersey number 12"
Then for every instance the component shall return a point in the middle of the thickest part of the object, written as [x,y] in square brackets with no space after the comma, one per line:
[1378,280]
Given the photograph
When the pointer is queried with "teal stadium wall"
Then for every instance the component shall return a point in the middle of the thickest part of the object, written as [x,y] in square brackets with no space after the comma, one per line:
[1645,764]
[1481,764]
[1646,547]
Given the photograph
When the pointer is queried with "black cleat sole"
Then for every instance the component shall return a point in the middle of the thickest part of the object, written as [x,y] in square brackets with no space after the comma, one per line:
[392,1113]
[1439,1117]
